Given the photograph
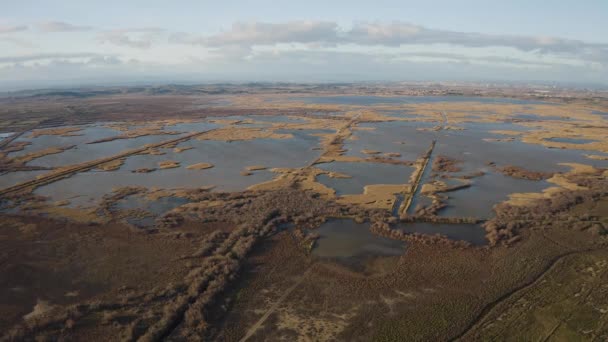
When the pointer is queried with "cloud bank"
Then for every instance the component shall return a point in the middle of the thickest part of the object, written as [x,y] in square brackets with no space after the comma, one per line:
[308,50]
[59,26]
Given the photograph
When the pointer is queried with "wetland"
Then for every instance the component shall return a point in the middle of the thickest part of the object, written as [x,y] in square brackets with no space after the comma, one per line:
[260,214]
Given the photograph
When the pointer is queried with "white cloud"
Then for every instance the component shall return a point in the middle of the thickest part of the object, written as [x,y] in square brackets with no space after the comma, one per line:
[138,38]
[258,33]
[59,26]
[396,33]
[11,29]
[51,56]
[270,51]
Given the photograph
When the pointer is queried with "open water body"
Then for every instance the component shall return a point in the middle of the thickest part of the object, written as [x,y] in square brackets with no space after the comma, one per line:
[572,140]
[87,134]
[13,178]
[400,137]
[363,174]
[229,160]
[344,238]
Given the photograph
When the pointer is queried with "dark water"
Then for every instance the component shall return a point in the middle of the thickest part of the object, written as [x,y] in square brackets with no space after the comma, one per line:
[597,112]
[572,140]
[344,238]
[277,118]
[487,127]
[88,133]
[198,126]
[363,174]
[418,199]
[535,117]
[476,153]
[158,206]
[13,178]
[87,152]
[479,199]
[473,233]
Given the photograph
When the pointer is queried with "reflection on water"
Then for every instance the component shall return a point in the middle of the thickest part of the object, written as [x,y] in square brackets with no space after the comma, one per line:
[476,153]
[153,208]
[86,189]
[535,117]
[199,126]
[572,140]
[87,134]
[363,174]
[157,206]
[399,137]
[87,152]
[5,135]
[13,178]
[472,146]
[229,160]
[479,199]
[343,238]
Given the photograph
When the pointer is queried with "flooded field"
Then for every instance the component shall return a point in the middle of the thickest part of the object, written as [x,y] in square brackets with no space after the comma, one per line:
[378,160]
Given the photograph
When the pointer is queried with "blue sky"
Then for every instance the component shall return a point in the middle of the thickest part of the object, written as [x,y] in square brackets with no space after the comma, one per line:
[75,42]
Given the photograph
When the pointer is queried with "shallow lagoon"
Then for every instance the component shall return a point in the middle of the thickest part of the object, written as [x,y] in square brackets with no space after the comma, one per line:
[229,159]
[87,134]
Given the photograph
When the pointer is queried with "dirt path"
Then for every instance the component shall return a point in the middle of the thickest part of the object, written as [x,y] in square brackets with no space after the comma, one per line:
[254,328]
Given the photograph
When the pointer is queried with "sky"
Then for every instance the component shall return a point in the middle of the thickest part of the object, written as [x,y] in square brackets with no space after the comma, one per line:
[86,42]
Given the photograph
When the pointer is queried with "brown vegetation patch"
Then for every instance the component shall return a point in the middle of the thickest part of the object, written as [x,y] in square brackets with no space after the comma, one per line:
[521,173]
[61,131]
[255,168]
[168,164]
[446,164]
[200,166]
